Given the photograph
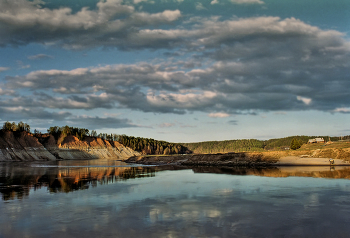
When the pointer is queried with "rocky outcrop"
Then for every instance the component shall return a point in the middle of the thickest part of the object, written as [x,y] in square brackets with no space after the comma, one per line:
[23,146]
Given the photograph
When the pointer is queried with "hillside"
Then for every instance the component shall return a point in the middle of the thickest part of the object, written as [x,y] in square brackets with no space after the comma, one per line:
[249,145]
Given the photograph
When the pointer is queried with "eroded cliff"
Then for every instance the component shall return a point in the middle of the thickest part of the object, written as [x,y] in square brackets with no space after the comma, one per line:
[23,146]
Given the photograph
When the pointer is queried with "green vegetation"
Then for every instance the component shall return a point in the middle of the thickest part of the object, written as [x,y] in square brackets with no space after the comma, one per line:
[226,146]
[105,136]
[252,145]
[8,126]
[296,144]
[144,145]
[152,147]
[61,132]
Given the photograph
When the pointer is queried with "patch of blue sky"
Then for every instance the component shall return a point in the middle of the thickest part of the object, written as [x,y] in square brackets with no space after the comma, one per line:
[75,5]
[322,13]
[18,61]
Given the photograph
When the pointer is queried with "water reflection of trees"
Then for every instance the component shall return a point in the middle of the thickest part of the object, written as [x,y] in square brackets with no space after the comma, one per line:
[17,182]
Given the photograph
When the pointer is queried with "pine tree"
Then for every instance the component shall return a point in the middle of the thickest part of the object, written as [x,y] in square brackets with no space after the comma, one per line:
[296,144]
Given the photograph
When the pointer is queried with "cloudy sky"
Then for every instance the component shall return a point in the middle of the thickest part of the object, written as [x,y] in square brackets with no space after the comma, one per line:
[178,70]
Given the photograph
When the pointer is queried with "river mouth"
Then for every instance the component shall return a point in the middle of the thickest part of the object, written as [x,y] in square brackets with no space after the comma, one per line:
[110,198]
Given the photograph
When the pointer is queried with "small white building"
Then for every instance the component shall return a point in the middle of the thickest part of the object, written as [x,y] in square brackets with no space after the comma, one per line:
[316,140]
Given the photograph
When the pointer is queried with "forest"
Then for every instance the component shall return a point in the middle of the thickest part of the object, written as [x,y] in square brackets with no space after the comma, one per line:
[152,147]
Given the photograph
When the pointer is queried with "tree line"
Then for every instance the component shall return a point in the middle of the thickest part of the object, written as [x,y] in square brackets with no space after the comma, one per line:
[21,126]
[226,146]
[61,132]
[143,145]
[152,147]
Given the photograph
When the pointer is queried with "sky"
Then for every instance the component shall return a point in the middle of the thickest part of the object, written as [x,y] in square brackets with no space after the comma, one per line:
[178,70]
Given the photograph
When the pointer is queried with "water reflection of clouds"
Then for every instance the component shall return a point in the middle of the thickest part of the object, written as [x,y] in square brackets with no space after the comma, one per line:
[182,203]
[151,208]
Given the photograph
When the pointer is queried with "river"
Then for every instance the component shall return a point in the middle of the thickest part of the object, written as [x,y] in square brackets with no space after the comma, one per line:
[108,198]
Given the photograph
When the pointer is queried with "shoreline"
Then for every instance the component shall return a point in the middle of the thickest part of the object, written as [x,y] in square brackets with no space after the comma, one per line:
[300,161]
[234,159]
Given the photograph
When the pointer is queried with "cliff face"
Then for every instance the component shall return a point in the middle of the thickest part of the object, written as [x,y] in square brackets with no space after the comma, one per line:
[22,146]
[88,148]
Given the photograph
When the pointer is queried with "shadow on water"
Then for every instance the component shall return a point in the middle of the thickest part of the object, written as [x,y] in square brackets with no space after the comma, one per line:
[330,172]
[17,179]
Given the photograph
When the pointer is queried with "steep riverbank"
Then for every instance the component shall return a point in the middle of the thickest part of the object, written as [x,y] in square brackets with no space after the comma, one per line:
[23,146]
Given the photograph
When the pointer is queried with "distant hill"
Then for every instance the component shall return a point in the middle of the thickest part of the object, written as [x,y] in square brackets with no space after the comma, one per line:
[246,145]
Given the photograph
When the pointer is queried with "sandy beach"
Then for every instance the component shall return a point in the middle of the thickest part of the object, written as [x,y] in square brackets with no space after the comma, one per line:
[297,160]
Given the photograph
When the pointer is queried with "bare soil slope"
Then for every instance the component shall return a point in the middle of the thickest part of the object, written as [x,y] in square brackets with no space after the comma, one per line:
[23,146]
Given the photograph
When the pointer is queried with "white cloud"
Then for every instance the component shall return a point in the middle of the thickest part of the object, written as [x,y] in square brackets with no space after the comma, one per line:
[200,7]
[305,100]
[274,81]
[27,66]
[40,56]
[21,65]
[342,110]
[214,2]
[2,69]
[6,92]
[25,23]
[178,100]
[219,115]
[247,1]
[242,65]
[166,125]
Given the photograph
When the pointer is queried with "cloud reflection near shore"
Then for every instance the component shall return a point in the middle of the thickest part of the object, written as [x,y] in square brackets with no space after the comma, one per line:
[182,203]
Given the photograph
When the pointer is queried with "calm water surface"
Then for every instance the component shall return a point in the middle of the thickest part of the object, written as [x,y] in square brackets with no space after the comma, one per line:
[111,199]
